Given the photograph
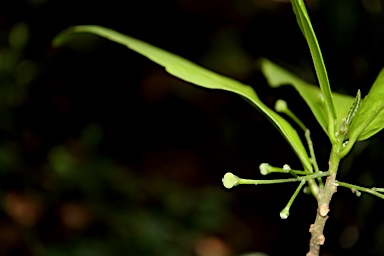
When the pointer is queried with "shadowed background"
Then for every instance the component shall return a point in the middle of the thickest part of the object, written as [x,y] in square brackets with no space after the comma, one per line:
[103,153]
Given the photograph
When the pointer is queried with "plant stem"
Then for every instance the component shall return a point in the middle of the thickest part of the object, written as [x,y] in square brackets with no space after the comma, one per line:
[348,146]
[372,191]
[289,113]
[313,156]
[285,212]
[299,178]
[282,107]
[323,199]
[280,170]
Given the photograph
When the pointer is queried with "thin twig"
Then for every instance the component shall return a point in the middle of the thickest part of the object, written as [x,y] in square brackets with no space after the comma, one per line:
[299,178]
[271,169]
[372,191]
[313,156]
[285,212]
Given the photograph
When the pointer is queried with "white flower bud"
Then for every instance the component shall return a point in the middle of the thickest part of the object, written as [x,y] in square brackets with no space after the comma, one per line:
[230,180]
[264,168]
[281,106]
[284,213]
[286,168]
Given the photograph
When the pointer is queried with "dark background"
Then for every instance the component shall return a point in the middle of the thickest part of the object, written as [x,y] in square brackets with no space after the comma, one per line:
[103,153]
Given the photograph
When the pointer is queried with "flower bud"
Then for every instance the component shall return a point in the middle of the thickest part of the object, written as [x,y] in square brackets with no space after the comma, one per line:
[281,106]
[284,213]
[230,180]
[264,168]
[286,168]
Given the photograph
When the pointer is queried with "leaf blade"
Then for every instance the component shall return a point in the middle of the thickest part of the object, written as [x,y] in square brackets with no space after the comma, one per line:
[190,72]
[369,120]
[309,34]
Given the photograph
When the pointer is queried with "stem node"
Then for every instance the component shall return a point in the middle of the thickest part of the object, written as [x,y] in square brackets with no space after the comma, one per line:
[324,210]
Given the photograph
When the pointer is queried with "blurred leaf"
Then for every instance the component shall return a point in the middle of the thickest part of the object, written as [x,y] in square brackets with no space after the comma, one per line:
[277,76]
[92,134]
[254,254]
[197,75]
[61,161]
[9,157]
[25,72]
[18,36]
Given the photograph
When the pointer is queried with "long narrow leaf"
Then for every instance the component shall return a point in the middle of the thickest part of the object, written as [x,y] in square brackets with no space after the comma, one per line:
[307,29]
[197,75]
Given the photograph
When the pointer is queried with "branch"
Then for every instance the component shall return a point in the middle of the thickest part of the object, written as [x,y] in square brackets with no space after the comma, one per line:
[323,201]
[373,191]
[316,229]
[230,180]
[313,157]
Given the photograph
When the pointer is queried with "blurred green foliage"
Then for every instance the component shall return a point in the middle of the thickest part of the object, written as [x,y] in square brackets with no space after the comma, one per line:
[97,162]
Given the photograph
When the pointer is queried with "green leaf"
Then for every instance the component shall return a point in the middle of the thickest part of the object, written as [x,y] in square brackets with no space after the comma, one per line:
[369,120]
[277,76]
[307,29]
[197,75]
[354,108]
